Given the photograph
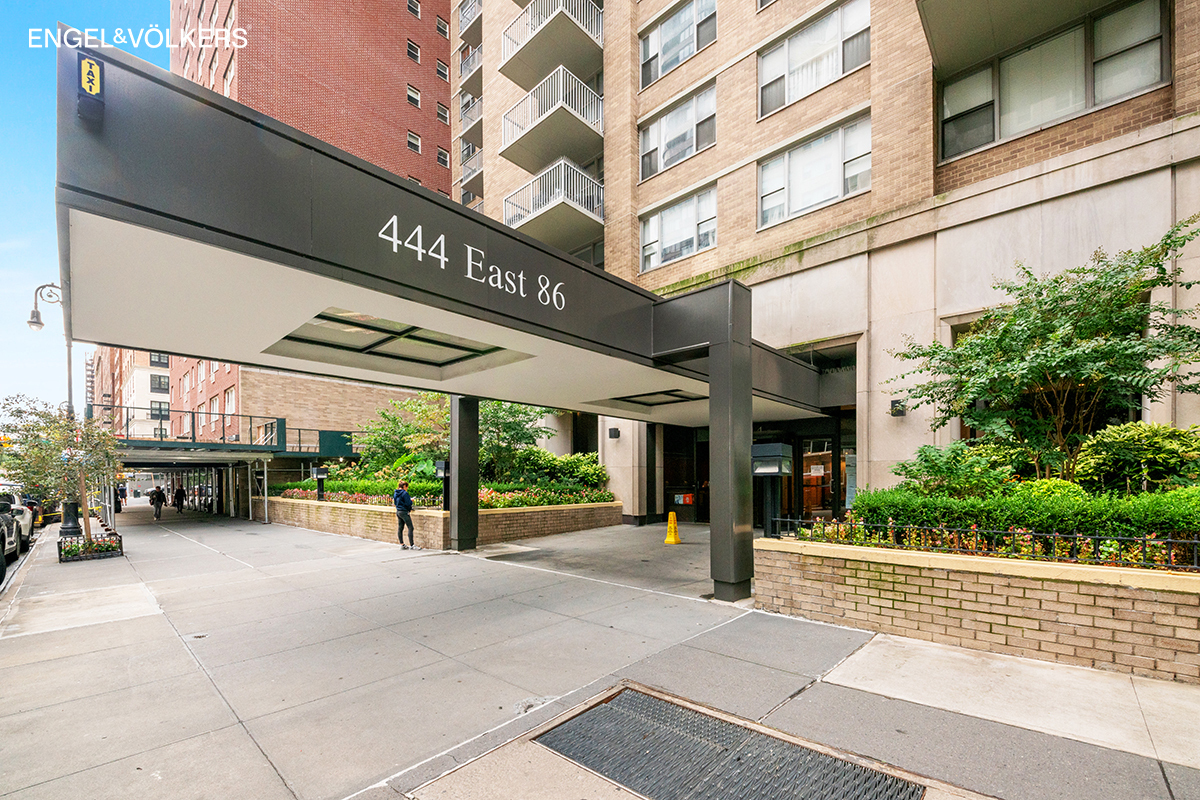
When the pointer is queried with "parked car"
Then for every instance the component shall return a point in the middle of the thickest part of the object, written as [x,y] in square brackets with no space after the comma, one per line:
[8,531]
[22,514]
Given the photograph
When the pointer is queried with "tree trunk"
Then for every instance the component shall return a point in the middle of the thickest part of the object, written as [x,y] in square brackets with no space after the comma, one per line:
[85,511]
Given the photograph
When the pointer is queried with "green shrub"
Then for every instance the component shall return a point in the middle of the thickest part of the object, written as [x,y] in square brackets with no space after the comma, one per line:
[1041,506]
[535,465]
[1139,456]
[952,471]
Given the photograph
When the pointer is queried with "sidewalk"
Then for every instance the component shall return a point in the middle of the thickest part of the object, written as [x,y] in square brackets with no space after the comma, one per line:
[225,659]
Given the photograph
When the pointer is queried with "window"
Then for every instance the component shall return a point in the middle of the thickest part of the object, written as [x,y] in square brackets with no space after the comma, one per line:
[443,157]
[443,114]
[443,71]
[414,52]
[1049,80]
[819,171]
[215,14]
[815,56]
[200,372]
[214,411]
[680,230]
[414,8]
[185,384]
[214,366]
[414,96]
[677,38]
[414,142]
[444,193]
[231,16]
[160,384]
[160,360]
[592,254]
[443,28]
[187,423]
[212,71]
[686,129]
[230,71]
[160,410]
[415,179]
[187,63]
[200,12]
[230,406]
[160,433]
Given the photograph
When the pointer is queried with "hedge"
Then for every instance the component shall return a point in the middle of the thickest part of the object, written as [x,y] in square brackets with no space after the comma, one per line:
[1175,513]
[522,497]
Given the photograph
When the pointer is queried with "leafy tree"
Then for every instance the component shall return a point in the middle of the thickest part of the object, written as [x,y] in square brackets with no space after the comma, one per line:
[1070,353]
[420,427]
[51,449]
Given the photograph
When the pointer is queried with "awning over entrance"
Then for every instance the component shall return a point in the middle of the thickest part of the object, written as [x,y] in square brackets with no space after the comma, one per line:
[191,224]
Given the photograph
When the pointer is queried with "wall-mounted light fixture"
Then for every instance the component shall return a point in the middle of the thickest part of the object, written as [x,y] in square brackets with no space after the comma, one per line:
[898,409]
[614,433]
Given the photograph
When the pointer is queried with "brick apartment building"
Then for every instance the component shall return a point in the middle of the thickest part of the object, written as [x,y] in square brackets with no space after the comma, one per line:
[371,78]
[868,167]
[130,390]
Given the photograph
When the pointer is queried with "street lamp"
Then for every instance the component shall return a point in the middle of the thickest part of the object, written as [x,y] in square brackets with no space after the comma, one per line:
[51,293]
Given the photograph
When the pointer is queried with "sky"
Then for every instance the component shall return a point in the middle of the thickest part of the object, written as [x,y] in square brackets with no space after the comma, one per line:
[34,362]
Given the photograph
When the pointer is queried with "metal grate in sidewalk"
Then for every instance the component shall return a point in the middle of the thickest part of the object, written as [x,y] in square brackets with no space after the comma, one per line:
[667,752]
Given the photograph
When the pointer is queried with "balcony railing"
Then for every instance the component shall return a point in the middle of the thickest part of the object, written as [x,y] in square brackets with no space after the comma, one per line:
[468,12]
[471,114]
[158,424]
[472,166]
[586,14]
[471,63]
[559,89]
[561,182]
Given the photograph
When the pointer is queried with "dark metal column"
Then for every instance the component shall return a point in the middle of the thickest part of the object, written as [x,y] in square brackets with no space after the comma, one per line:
[464,472]
[731,432]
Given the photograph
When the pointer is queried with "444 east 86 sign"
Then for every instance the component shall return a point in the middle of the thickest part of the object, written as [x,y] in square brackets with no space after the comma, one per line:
[515,281]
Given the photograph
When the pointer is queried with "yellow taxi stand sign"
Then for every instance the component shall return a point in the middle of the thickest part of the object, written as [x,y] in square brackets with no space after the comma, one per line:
[672,530]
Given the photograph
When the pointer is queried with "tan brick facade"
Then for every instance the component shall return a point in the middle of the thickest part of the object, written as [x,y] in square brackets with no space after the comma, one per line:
[1115,619]
[308,401]
[431,529]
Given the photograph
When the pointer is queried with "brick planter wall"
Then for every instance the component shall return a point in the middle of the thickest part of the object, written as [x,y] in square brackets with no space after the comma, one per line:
[431,529]
[1146,622]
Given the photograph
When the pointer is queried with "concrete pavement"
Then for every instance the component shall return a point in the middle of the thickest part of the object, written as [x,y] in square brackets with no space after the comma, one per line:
[224,658]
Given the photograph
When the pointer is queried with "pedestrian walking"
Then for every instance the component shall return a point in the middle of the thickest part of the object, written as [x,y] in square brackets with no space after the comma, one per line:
[158,499]
[404,507]
[180,495]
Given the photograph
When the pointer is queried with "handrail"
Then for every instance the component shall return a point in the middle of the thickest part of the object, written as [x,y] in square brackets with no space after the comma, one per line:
[468,11]
[471,114]
[560,89]
[139,423]
[562,181]
[586,14]
[471,63]
[472,165]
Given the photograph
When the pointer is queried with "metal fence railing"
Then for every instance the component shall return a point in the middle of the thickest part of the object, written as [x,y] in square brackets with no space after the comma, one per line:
[470,63]
[586,14]
[468,12]
[163,424]
[559,89]
[562,181]
[472,113]
[472,165]
[1179,550]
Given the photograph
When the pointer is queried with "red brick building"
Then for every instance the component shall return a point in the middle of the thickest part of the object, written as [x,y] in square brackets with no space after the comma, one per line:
[371,77]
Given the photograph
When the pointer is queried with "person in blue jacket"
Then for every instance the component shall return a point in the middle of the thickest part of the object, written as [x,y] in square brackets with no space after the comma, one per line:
[404,505]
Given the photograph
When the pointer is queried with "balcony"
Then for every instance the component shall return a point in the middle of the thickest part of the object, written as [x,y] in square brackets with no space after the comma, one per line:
[470,22]
[472,173]
[472,122]
[563,206]
[562,116]
[469,73]
[549,33]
